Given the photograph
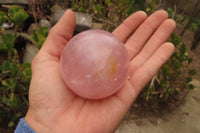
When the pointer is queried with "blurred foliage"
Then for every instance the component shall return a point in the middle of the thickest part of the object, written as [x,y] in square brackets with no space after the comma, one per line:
[14,75]
[8,42]
[171,79]
[195,24]
[39,36]
[3,18]
[17,15]
[111,12]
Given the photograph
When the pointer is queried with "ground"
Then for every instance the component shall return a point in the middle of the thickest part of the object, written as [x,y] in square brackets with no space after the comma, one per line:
[184,118]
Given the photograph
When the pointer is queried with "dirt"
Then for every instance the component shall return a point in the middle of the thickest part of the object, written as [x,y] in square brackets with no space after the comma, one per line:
[184,117]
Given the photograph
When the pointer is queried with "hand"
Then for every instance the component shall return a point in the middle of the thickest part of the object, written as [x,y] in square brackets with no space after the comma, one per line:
[54,108]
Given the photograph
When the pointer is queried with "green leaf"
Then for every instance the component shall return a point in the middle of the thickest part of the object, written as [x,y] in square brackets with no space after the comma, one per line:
[44,31]
[26,65]
[5,100]
[5,66]
[13,10]
[170,12]
[179,72]
[17,15]
[130,7]
[108,2]
[9,83]
[192,72]
[97,8]
[3,47]
[176,40]
[18,115]
[3,18]
[41,40]
[8,40]
[39,36]
[14,100]
[188,79]
[14,68]
[195,24]
[163,83]
[190,87]
[183,49]
[166,70]
[82,9]
[12,83]
[157,1]
[26,73]
[176,92]
[11,124]
[190,60]
[5,83]
[169,90]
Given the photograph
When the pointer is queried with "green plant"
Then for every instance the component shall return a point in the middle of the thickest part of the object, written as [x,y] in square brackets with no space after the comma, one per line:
[14,75]
[171,80]
[17,15]
[14,80]
[3,18]
[39,36]
[8,42]
[194,26]
[174,15]
[108,12]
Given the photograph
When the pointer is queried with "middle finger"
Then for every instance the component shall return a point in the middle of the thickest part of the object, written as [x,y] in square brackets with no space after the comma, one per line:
[144,32]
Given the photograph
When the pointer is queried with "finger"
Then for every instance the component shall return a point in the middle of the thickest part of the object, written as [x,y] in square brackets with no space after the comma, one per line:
[159,37]
[151,66]
[144,32]
[60,34]
[129,25]
[142,76]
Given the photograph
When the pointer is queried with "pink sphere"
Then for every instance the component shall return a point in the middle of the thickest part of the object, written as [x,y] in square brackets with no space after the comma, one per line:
[94,64]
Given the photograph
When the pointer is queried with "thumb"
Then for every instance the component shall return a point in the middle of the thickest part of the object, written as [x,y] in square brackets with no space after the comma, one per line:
[60,34]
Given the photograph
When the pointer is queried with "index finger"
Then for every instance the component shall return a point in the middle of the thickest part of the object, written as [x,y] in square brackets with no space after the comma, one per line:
[129,25]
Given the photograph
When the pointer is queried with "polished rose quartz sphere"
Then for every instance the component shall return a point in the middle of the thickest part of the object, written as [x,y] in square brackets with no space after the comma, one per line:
[94,64]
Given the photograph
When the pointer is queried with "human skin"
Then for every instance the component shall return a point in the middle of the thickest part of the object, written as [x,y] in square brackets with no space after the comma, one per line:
[54,108]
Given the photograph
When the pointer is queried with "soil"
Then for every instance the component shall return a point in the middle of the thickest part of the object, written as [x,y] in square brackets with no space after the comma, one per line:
[181,117]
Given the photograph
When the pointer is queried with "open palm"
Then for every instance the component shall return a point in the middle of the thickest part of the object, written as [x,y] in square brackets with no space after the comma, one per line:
[54,108]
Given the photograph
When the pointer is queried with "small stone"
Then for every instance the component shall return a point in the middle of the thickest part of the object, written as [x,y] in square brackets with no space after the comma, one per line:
[83,20]
[45,23]
[29,53]
[56,16]
[14,2]
[55,8]
[7,25]
[97,25]
[33,27]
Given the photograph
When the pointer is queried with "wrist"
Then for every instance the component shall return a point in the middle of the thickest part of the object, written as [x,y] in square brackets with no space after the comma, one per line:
[36,123]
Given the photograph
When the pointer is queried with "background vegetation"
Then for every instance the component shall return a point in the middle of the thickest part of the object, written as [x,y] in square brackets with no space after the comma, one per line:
[171,83]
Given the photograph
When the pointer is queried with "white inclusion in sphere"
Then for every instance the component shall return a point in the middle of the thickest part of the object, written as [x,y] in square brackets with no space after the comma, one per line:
[94,64]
